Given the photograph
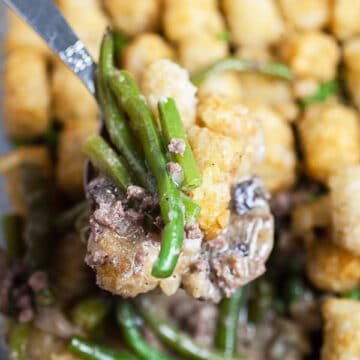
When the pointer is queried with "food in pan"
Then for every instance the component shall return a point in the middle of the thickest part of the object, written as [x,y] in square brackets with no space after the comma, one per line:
[218,215]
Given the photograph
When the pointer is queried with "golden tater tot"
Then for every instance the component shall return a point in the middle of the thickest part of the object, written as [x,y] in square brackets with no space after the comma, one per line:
[253,23]
[278,169]
[164,78]
[261,90]
[352,54]
[143,51]
[20,35]
[88,20]
[70,166]
[345,193]
[345,18]
[10,164]
[71,99]
[198,51]
[342,326]
[332,268]
[26,94]
[306,14]
[134,17]
[226,84]
[309,216]
[186,18]
[303,51]
[329,135]
[213,149]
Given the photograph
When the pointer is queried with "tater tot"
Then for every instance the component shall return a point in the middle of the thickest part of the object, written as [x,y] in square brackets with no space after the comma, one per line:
[226,84]
[10,165]
[26,94]
[342,327]
[345,18]
[261,90]
[143,51]
[253,23]
[20,35]
[329,135]
[164,78]
[71,99]
[352,54]
[332,268]
[227,118]
[312,54]
[88,20]
[310,216]
[186,18]
[198,51]
[278,170]
[70,166]
[345,202]
[353,84]
[306,14]
[134,17]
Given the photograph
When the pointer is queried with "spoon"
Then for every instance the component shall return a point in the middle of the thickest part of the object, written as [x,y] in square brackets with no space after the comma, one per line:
[47,21]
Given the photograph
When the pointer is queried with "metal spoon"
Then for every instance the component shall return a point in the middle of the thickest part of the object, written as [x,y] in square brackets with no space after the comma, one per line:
[46,19]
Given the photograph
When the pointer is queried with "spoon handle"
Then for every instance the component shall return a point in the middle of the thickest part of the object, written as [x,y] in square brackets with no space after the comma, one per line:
[46,19]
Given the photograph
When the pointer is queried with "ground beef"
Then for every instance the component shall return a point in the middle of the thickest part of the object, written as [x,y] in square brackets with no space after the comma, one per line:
[122,251]
[177,146]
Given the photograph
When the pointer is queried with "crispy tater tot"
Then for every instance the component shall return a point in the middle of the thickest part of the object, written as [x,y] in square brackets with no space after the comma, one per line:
[226,84]
[345,18]
[88,20]
[345,192]
[186,18]
[306,14]
[134,17]
[253,23]
[302,52]
[278,170]
[10,164]
[20,35]
[164,78]
[332,268]
[352,54]
[26,94]
[198,51]
[71,99]
[329,135]
[261,90]
[143,51]
[341,329]
[70,166]
[223,116]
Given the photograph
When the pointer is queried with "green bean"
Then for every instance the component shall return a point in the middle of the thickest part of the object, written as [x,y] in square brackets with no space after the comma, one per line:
[120,43]
[90,312]
[192,209]
[38,227]
[174,338]
[106,161]
[19,341]
[173,128]
[226,332]
[115,121]
[91,351]
[273,69]
[352,294]
[12,227]
[127,320]
[129,96]
[325,90]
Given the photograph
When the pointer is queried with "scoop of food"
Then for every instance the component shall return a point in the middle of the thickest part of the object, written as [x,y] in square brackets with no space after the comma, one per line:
[174,205]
